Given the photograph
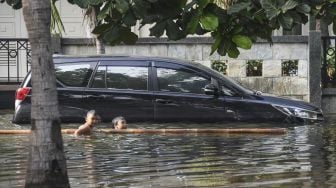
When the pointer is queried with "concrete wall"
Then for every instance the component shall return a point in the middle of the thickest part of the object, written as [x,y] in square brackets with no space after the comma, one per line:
[329,101]
[198,49]
[272,80]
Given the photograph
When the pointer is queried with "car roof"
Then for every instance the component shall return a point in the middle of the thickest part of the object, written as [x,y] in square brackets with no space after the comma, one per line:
[82,58]
[69,58]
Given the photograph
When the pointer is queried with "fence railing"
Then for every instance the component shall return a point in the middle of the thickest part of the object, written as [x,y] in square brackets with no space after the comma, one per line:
[15,59]
[329,62]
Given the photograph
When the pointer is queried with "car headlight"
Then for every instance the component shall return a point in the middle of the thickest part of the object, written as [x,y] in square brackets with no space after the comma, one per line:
[297,112]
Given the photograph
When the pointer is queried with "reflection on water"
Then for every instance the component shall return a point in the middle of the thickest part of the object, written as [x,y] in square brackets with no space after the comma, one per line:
[305,157]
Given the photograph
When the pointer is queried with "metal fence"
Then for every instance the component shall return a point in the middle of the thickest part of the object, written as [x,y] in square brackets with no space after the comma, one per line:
[329,62]
[15,59]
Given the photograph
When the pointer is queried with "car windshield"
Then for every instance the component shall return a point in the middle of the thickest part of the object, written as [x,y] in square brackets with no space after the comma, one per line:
[226,79]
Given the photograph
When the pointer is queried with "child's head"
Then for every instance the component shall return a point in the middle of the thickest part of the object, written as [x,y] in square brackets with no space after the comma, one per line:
[119,123]
[92,117]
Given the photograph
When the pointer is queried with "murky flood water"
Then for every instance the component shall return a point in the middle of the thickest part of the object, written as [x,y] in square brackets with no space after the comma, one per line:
[304,157]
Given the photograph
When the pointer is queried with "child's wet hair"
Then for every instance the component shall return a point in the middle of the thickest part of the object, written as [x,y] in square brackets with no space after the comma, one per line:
[117,119]
[91,113]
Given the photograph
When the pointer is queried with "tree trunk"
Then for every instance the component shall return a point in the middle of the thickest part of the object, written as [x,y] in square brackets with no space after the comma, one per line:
[46,160]
[324,28]
[99,45]
[90,16]
[99,42]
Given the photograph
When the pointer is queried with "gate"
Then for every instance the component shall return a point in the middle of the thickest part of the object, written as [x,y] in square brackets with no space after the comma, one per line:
[15,59]
[328,70]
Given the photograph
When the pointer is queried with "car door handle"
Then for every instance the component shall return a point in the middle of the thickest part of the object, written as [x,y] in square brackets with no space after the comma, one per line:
[163,101]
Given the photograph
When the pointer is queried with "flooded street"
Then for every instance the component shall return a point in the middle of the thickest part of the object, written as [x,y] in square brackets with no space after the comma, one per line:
[304,157]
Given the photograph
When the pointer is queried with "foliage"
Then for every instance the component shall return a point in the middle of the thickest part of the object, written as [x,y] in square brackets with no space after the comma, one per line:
[330,64]
[232,24]
[220,66]
[326,10]
[236,27]
[290,68]
[16,4]
[56,24]
[254,68]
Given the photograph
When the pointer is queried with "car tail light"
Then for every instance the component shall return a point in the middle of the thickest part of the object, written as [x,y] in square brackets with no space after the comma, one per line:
[21,94]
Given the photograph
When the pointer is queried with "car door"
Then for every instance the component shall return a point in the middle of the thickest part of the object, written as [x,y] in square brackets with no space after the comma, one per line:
[179,95]
[72,78]
[121,88]
[246,106]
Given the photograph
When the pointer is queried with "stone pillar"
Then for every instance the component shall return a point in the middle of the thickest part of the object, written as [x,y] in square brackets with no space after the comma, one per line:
[312,23]
[314,77]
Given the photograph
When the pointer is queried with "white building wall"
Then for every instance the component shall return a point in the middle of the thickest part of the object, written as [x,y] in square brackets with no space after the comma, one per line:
[11,23]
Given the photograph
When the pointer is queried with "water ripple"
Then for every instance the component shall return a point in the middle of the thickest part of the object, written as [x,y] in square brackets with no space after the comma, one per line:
[304,157]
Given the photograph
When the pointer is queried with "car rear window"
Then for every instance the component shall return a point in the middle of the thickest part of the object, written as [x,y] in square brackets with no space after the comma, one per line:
[73,75]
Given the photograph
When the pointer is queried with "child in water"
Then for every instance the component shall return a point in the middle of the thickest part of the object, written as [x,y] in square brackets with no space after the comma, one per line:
[92,118]
[119,123]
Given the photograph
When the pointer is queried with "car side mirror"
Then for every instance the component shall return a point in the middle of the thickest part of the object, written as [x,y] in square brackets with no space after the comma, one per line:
[211,89]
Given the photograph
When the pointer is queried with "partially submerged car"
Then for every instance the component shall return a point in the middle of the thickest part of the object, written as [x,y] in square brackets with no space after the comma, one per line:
[160,90]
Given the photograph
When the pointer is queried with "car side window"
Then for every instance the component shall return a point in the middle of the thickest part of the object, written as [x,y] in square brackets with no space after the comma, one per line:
[127,77]
[73,75]
[184,81]
[99,80]
[227,92]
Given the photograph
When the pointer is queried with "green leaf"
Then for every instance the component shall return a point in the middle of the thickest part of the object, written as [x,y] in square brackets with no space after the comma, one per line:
[303,8]
[193,23]
[222,49]
[270,8]
[209,22]
[128,37]
[158,29]
[140,7]
[259,15]
[101,29]
[242,41]
[332,10]
[237,29]
[233,51]
[235,8]
[224,46]
[106,9]
[296,17]
[290,4]
[112,35]
[56,24]
[95,2]
[286,21]
[129,19]
[173,31]
[216,44]
[121,6]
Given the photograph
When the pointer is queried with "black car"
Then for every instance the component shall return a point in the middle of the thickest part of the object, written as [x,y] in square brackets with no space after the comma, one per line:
[158,89]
